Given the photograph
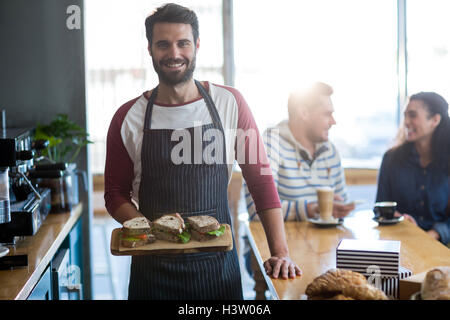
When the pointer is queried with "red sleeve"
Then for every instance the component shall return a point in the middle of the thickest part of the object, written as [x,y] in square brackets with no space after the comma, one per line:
[255,167]
[119,166]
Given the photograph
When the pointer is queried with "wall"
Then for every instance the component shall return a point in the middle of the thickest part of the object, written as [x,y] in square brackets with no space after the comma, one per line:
[361,176]
[42,73]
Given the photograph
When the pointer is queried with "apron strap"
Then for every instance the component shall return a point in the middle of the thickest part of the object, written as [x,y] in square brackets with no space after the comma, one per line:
[211,106]
[209,103]
[208,100]
[149,109]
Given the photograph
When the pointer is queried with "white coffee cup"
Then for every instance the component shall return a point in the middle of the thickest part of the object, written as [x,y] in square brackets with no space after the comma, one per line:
[325,196]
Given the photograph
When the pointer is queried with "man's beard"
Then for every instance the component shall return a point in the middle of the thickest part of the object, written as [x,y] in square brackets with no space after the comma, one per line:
[175,78]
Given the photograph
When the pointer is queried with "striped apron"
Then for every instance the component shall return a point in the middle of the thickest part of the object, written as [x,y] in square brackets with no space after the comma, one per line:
[189,189]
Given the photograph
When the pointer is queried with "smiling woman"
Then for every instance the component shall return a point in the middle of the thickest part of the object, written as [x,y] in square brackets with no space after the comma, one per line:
[427,125]
[415,173]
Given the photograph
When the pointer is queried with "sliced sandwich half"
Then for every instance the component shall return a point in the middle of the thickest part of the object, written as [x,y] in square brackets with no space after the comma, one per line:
[171,227]
[136,233]
[203,228]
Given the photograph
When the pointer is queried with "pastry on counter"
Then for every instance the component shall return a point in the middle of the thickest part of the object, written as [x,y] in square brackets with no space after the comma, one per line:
[339,284]
[436,285]
[336,297]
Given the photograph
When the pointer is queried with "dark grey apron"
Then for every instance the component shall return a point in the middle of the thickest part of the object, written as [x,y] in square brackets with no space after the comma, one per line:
[189,189]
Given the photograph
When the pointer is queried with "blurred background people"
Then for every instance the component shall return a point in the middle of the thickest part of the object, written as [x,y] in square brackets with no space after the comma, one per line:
[302,158]
[415,172]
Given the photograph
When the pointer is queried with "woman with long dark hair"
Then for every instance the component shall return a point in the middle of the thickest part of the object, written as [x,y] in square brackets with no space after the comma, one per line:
[415,172]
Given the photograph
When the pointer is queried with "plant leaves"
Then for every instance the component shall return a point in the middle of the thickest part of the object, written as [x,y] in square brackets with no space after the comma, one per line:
[65,137]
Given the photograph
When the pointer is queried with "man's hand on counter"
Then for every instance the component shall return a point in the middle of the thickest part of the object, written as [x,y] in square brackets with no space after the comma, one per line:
[284,266]
[279,264]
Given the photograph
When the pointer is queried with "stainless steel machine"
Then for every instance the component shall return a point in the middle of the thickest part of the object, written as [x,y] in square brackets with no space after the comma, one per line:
[23,206]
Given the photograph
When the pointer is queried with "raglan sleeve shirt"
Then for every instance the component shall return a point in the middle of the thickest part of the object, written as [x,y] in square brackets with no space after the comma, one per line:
[118,166]
[287,206]
[121,173]
[256,169]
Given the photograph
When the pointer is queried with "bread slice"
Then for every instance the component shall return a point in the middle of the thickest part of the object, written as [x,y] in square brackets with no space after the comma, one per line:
[170,227]
[203,223]
[136,226]
[162,235]
[201,226]
[172,223]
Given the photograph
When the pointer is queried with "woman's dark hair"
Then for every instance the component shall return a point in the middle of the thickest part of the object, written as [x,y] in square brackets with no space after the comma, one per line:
[172,13]
[440,141]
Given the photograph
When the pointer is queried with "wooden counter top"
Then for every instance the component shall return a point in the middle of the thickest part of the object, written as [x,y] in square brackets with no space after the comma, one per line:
[314,249]
[18,283]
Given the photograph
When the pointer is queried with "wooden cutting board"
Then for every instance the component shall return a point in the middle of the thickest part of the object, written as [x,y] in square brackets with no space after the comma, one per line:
[223,243]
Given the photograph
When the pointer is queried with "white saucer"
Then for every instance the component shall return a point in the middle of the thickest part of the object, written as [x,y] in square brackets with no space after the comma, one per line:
[326,223]
[358,202]
[388,221]
[3,251]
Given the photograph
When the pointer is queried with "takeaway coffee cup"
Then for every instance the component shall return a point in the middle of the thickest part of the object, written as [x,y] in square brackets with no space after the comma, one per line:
[385,210]
[325,197]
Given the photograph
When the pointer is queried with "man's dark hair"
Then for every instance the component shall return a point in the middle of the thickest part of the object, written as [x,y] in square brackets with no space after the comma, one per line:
[172,13]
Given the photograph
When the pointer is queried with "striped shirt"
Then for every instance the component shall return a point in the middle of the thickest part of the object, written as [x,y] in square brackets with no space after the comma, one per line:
[295,175]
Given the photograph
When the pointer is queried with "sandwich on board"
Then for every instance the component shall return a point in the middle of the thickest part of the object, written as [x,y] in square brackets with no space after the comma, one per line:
[171,227]
[136,233]
[203,228]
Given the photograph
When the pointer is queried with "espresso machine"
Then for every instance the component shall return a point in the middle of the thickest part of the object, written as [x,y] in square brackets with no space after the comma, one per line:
[28,205]
[5,212]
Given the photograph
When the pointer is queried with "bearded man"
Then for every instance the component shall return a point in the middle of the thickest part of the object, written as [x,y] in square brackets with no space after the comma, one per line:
[145,177]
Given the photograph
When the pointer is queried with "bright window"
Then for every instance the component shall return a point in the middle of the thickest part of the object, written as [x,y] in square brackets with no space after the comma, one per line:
[280,46]
[428,45]
[118,66]
[349,44]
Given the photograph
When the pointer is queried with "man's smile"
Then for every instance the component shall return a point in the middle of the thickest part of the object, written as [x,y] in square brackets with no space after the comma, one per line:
[173,65]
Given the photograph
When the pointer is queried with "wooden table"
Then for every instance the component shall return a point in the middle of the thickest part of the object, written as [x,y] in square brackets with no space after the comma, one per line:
[314,249]
[16,284]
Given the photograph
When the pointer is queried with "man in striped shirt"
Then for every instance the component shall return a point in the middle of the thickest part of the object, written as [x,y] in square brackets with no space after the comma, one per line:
[302,158]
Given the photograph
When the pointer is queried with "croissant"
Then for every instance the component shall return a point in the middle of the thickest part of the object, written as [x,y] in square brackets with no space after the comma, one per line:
[364,292]
[338,284]
[333,282]
[340,297]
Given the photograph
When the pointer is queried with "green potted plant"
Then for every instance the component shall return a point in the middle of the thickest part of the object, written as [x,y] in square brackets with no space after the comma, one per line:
[66,139]
[58,171]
